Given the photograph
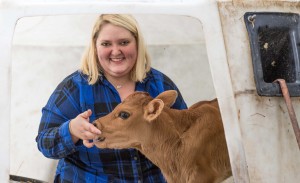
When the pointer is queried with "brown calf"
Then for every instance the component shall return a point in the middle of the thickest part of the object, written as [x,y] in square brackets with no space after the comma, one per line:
[188,146]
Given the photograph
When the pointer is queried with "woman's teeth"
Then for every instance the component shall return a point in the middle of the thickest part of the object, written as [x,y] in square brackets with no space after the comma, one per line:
[116,59]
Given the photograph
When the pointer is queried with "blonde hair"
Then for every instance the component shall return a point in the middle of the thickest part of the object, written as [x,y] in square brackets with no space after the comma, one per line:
[90,64]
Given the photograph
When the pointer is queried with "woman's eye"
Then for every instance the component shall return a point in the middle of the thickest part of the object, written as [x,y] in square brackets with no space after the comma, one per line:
[124,115]
[124,43]
[105,44]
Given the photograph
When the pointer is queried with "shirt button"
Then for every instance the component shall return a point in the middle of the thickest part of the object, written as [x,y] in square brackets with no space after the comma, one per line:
[135,158]
[139,181]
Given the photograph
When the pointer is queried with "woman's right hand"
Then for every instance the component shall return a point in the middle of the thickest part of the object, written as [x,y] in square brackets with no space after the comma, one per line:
[81,128]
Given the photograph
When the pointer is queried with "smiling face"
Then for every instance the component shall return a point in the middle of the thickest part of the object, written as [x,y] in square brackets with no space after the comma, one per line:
[116,50]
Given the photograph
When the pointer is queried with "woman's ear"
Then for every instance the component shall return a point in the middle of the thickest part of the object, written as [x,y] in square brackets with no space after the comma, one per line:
[153,109]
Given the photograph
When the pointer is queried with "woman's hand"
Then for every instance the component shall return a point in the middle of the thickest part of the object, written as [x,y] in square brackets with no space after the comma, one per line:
[81,128]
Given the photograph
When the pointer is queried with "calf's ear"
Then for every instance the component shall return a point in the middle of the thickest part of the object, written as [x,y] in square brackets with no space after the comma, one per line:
[153,109]
[168,97]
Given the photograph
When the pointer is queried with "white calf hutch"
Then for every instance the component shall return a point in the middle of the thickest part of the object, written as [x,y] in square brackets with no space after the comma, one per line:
[232,49]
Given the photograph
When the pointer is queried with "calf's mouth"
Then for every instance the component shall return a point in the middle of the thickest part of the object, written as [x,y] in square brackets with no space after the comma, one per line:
[99,139]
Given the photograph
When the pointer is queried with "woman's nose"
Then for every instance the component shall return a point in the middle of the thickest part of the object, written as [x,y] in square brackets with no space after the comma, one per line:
[116,50]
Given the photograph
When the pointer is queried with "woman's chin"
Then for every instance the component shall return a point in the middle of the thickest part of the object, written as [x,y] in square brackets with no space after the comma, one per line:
[119,73]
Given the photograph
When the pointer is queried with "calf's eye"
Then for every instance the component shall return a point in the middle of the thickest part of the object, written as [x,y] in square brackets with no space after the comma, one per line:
[124,115]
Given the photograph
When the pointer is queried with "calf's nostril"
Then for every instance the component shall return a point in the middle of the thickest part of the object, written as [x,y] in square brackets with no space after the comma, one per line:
[95,125]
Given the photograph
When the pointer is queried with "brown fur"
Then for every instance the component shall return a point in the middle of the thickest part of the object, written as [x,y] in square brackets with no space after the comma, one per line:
[187,145]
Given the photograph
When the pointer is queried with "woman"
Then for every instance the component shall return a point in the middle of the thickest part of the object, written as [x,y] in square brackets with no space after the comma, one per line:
[115,64]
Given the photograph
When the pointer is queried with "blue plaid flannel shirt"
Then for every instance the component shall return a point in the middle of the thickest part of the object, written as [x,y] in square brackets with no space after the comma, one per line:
[78,163]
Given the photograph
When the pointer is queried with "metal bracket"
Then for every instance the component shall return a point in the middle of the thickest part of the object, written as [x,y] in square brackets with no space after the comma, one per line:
[274,41]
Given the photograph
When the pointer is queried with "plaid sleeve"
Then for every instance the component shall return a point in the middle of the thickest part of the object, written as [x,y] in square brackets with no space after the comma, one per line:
[54,139]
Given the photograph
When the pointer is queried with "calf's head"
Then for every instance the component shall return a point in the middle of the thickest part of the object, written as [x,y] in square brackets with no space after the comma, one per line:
[130,121]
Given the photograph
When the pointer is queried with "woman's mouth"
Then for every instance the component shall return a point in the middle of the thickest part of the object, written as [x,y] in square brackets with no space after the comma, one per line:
[116,59]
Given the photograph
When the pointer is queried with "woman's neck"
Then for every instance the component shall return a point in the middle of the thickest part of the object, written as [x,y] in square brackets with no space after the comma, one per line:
[124,85]
[119,82]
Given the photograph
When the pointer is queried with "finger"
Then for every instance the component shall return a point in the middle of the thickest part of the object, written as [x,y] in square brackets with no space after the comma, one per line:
[88,144]
[94,129]
[88,135]
[86,114]
[89,127]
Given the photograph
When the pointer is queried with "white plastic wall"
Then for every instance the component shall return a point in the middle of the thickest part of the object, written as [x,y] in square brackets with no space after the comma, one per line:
[38,51]
[272,152]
